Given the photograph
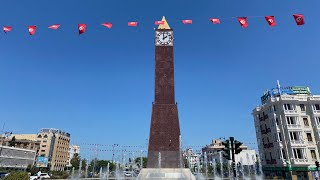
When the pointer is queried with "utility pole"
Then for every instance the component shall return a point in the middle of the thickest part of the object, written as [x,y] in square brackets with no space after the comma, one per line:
[233,158]
[113,151]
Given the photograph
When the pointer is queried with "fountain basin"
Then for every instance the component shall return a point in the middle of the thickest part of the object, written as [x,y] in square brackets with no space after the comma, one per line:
[166,173]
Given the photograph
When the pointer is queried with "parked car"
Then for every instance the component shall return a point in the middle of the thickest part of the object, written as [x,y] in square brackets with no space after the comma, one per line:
[4,174]
[42,176]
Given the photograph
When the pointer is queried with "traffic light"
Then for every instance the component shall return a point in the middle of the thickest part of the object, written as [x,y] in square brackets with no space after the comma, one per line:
[317,164]
[226,149]
[237,148]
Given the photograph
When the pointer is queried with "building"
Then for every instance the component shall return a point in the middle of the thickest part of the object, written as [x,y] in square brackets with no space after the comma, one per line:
[73,149]
[212,150]
[54,145]
[287,127]
[16,158]
[193,158]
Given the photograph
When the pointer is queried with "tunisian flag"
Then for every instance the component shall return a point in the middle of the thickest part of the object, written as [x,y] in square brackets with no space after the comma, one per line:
[32,30]
[54,26]
[7,29]
[158,22]
[107,25]
[82,28]
[187,21]
[243,22]
[215,20]
[270,20]
[132,23]
[299,19]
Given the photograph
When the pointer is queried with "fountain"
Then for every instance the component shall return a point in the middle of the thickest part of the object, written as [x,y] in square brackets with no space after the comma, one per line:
[107,172]
[242,169]
[72,173]
[87,166]
[159,160]
[254,167]
[80,169]
[215,175]
[249,167]
[100,173]
[206,163]
[260,175]
[221,164]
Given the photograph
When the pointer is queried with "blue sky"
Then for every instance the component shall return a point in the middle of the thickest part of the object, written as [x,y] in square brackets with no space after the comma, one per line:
[99,86]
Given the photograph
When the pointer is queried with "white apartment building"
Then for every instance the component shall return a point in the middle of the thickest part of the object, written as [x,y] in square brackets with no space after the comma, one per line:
[73,149]
[192,157]
[287,127]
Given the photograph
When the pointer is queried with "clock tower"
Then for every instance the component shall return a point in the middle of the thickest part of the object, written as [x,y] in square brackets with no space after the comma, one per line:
[164,140]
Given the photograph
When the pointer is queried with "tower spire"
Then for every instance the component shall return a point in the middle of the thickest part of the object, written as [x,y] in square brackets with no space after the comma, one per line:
[165,24]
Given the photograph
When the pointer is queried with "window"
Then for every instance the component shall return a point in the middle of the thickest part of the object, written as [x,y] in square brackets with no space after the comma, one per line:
[305,121]
[298,153]
[294,136]
[280,137]
[290,120]
[274,108]
[317,120]
[283,154]
[302,107]
[309,137]
[277,121]
[287,107]
[317,107]
[313,154]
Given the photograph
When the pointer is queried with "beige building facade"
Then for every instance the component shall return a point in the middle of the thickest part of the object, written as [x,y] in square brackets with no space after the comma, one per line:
[54,144]
[287,127]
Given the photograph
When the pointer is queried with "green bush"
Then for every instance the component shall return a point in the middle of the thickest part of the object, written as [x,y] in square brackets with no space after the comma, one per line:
[17,175]
[59,175]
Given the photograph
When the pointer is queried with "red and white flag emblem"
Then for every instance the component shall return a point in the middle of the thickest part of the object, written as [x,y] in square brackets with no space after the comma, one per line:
[107,25]
[215,20]
[54,26]
[133,23]
[187,21]
[32,30]
[82,28]
[7,29]
[299,18]
[158,22]
[243,22]
[270,20]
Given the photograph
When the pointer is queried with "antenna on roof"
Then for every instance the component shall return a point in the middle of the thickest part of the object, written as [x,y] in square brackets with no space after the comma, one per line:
[278,86]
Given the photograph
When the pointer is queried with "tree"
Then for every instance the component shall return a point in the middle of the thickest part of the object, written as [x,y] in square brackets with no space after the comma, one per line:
[144,161]
[84,164]
[12,143]
[75,161]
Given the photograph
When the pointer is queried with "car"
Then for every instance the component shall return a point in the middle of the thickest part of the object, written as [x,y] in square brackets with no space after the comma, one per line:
[42,176]
[4,174]
[127,174]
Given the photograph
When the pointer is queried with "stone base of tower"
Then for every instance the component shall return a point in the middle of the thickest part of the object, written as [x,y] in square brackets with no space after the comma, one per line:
[168,159]
[166,173]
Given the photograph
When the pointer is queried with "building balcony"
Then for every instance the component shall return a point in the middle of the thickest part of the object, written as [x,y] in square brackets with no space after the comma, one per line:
[261,119]
[290,111]
[314,98]
[263,132]
[316,111]
[301,161]
[268,130]
[269,145]
[265,117]
[297,143]
[294,126]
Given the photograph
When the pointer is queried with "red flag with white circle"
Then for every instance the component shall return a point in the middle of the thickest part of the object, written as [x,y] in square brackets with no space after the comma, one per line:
[243,22]
[32,30]
[82,28]
[54,26]
[270,20]
[133,23]
[215,20]
[299,18]
[107,25]
[7,28]
[187,21]
[158,22]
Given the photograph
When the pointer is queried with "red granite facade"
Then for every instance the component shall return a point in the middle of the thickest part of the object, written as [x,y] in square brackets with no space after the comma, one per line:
[164,128]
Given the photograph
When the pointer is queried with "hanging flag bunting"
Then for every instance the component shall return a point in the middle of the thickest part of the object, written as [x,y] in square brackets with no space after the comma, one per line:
[158,22]
[243,22]
[299,19]
[32,30]
[215,20]
[54,26]
[270,20]
[133,23]
[7,29]
[187,21]
[82,28]
[108,25]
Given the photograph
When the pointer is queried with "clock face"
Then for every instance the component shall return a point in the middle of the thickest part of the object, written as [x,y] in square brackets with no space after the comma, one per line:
[164,38]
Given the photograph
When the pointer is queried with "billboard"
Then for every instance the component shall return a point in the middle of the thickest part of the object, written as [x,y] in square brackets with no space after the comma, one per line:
[42,162]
